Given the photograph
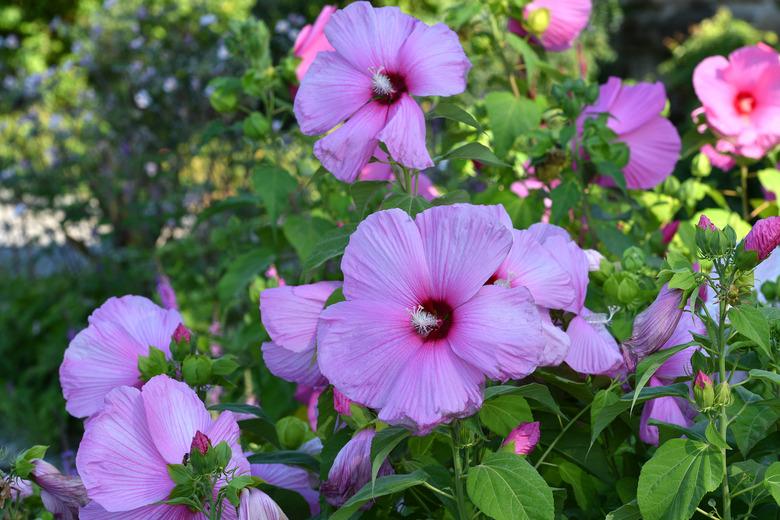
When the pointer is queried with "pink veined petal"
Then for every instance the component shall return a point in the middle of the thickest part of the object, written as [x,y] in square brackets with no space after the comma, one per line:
[290,477]
[290,313]
[376,171]
[463,249]
[93,511]
[385,260]
[331,92]
[138,317]
[433,387]
[748,67]
[654,151]
[531,266]
[363,346]
[225,428]
[679,365]
[346,150]
[557,342]
[717,94]
[311,41]
[296,367]
[117,458]
[498,332]
[174,414]
[665,409]
[541,232]
[593,349]
[574,261]
[567,19]
[608,93]
[368,37]
[635,106]
[404,134]
[425,187]
[433,62]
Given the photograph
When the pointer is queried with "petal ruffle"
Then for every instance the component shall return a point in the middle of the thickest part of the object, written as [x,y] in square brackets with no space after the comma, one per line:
[296,367]
[404,134]
[433,62]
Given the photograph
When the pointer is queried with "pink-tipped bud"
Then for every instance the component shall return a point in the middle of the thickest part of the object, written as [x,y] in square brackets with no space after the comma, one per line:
[702,380]
[669,230]
[703,391]
[166,293]
[181,333]
[653,327]
[764,237]
[200,442]
[341,403]
[524,438]
[706,223]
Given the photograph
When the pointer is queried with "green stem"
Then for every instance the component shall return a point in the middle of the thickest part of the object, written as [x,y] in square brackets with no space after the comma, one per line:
[743,170]
[724,419]
[460,496]
[560,435]
[748,489]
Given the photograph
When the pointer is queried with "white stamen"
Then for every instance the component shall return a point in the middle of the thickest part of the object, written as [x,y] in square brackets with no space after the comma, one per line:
[600,318]
[381,82]
[423,321]
[503,283]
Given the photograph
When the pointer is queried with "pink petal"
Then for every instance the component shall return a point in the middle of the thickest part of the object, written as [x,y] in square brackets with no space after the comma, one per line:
[498,332]
[654,151]
[567,19]
[385,260]
[593,349]
[717,94]
[574,261]
[225,428]
[433,387]
[331,92]
[345,151]
[404,134]
[635,106]
[679,365]
[433,62]
[666,409]
[463,249]
[363,346]
[557,342]
[368,37]
[93,511]
[138,317]
[174,414]
[290,313]
[289,477]
[117,458]
[296,367]
[311,41]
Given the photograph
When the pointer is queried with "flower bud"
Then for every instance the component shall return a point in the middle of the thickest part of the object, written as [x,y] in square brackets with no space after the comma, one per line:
[769,290]
[669,230]
[653,326]
[706,224]
[291,432]
[723,394]
[200,442]
[538,20]
[166,293]
[351,469]
[628,290]
[703,390]
[196,370]
[764,237]
[255,505]
[524,438]
[181,334]
[701,166]
[341,403]
[61,495]
[633,259]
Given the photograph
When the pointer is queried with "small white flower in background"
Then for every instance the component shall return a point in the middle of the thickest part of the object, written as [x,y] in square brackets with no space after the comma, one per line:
[282,26]
[170,84]
[151,169]
[137,43]
[223,53]
[207,19]
[142,99]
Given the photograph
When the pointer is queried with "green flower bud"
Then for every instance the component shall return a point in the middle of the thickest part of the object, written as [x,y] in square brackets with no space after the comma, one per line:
[633,259]
[538,21]
[196,370]
[628,290]
[611,287]
[723,395]
[256,126]
[769,290]
[291,432]
[701,166]
[703,391]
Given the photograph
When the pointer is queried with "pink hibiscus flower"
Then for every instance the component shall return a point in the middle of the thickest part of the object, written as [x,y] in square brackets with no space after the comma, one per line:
[740,96]
[126,449]
[290,315]
[382,171]
[567,20]
[419,330]
[382,58]
[635,116]
[311,41]
[105,355]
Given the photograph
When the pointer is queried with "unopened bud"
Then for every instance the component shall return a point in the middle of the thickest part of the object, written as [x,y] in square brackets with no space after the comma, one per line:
[524,438]
[200,442]
[764,237]
[182,334]
[703,391]
[723,394]
[769,290]
[653,326]
[538,21]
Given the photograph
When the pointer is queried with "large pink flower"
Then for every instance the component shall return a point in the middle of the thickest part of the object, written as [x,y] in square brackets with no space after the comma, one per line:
[635,116]
[311,41]
[105,354]
[740,96]
[382,58]
[290,315]
[567,20]
[419,330]
[124,456]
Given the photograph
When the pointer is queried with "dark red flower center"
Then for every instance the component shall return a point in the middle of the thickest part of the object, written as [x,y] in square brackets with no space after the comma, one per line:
[745,103]
[432,319]
[387,86]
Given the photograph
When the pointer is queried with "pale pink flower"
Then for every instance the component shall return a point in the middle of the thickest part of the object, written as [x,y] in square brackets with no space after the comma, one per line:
[257,505]
[311,41]
[341,403]
[653,326]
[668,409]
[126,449]
[381,170]
[105,354]
[635,116]
[419,330]
[524,438]
[718,155]
[166,293]
[290,315]
[61,495]
[567,20]
[382,58]
[741,98]
[764,237]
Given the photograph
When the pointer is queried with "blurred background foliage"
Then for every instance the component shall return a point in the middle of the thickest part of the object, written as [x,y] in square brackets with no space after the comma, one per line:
[138,137]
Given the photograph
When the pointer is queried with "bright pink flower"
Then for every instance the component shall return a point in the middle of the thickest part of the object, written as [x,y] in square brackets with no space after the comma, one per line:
[311,41]
[567,20]
[669,230]
[126,449]
[524,438]
[290,315]
[635,116]
[105,354]
[764,237]
[382,58]
[741,98]
[273,274]
[382,171]
[419,330]
[166,293]
[706,224]
[718,155]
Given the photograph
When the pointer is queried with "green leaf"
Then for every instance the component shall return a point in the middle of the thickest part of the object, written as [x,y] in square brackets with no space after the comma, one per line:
[606,408]
[506,487]
[475,152]
[304,233]
[384,442]
[365,192]
[772,481]
[684,280]
[751,323]
[330,245]
[770,180]
[772,377]
[259,430]
[241,270]
[753,423]
[533,391]
[628,511]
[713,436]
[502,414]
[654,392]
[564,197]
[452,111]
[240,408]
[510,117]
[648,366]
[412,204]
[274,186]
[453,197]
[676,478]
[383,486]
[289,457]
